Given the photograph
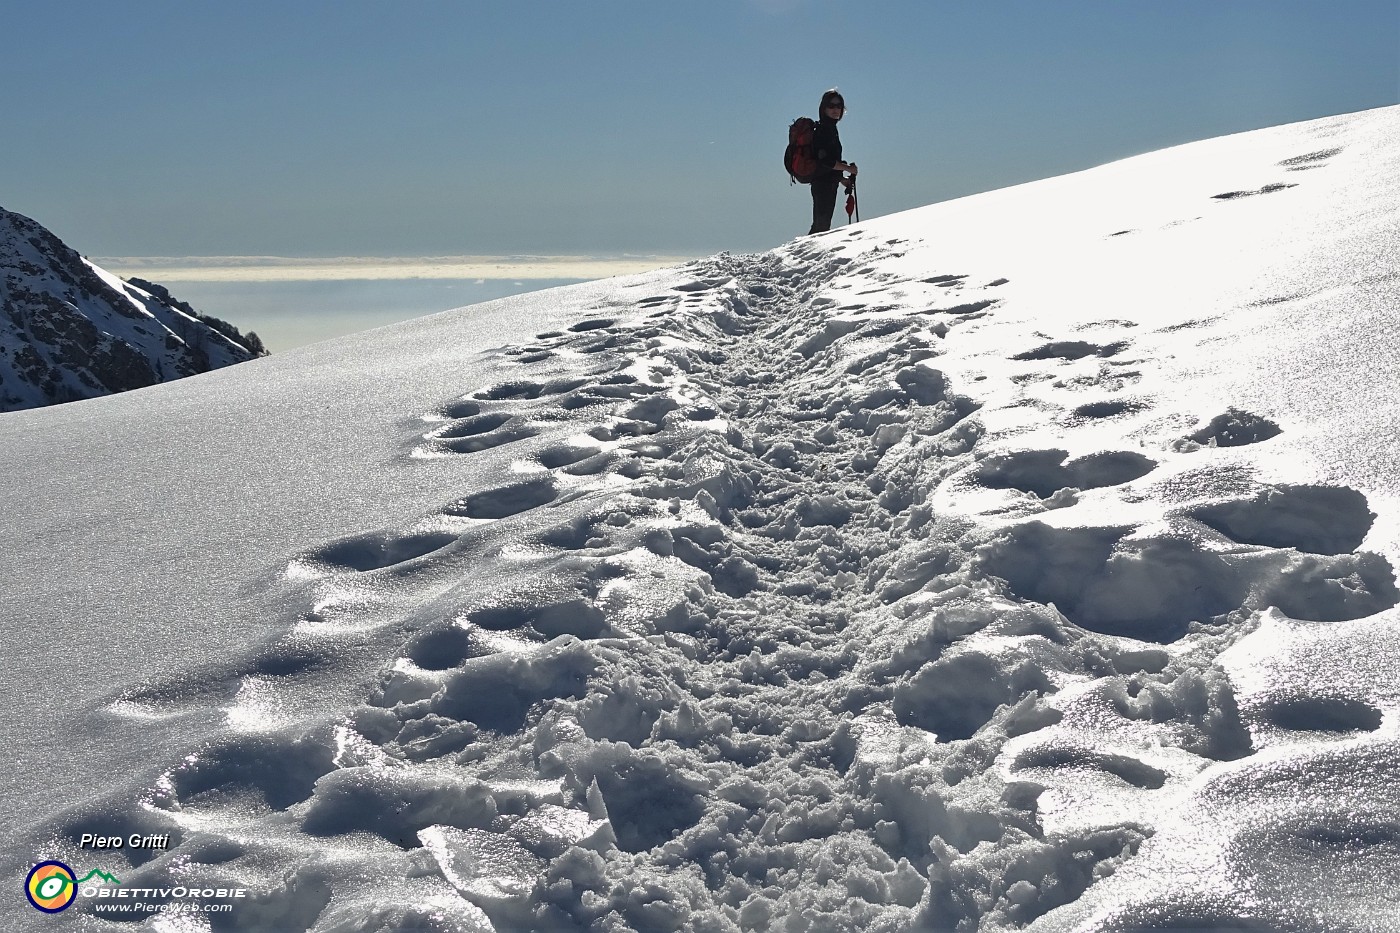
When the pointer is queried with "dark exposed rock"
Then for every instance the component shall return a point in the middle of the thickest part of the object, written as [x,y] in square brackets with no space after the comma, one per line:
[69,330]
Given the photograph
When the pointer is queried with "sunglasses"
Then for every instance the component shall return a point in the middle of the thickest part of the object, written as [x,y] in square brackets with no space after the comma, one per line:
[838,104]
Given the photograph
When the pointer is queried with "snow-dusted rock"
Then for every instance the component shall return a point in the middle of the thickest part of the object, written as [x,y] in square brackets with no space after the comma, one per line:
[70,330]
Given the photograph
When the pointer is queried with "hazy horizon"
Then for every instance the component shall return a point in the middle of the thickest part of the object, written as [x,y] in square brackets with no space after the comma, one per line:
[294,313]
[294,301]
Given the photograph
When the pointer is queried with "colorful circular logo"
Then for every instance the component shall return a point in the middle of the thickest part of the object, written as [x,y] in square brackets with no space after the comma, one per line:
[51,887]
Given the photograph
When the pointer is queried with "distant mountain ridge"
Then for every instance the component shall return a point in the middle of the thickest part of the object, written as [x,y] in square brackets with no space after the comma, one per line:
[70,330]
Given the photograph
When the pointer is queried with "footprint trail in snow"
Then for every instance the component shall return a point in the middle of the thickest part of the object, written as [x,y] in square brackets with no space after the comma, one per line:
[760,611]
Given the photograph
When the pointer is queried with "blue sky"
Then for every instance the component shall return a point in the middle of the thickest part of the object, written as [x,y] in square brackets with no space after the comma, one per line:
[355,128]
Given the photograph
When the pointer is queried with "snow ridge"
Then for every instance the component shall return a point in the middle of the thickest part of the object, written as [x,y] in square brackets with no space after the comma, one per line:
[70,330]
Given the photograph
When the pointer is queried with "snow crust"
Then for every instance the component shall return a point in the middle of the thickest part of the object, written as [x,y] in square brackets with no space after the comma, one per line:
[1021,562]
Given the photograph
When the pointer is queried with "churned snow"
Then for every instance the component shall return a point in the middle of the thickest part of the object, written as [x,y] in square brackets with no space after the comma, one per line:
[1021,562]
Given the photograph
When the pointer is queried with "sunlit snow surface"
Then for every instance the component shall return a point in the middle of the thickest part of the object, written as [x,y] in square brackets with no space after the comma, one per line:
[1022,561]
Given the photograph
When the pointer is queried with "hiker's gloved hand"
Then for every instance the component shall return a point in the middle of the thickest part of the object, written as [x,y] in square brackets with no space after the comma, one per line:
[851,167]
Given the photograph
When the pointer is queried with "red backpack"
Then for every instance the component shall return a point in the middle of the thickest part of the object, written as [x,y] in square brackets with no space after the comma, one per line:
[800,157]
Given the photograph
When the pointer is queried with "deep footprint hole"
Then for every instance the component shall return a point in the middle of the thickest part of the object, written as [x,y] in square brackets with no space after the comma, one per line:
[564,455]
[509,390]
[1235,428]
[1131,770]
[957,695]
[1153,589]
[1310,158]
[1316,519]
[377,551]
[577,617]
[595,324]
[497,692]
[1044,472]
[1323,714]
[1107,409]
[439,649]
[479,442]
[647,806]
[284,771]
[1071,350]
[505,501]
[463,408]
[471,426]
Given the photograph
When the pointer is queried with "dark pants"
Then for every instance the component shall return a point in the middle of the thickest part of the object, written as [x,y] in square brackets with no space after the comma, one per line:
[824,202]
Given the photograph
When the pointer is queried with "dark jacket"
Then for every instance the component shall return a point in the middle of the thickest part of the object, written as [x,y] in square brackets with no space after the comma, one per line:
[826,143]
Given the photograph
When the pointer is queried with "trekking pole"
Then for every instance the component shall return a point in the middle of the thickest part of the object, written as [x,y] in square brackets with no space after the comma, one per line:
[852,207]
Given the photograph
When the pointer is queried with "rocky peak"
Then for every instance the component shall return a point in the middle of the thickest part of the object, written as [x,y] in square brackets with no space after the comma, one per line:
[70,330]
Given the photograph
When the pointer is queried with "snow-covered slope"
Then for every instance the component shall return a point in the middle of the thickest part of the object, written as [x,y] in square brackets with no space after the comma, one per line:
[70,330]
[1025,561]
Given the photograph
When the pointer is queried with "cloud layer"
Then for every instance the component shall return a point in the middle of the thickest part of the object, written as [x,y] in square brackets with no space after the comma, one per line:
[284,269]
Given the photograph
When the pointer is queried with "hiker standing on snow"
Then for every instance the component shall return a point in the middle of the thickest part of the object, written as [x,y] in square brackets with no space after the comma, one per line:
[826,143]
